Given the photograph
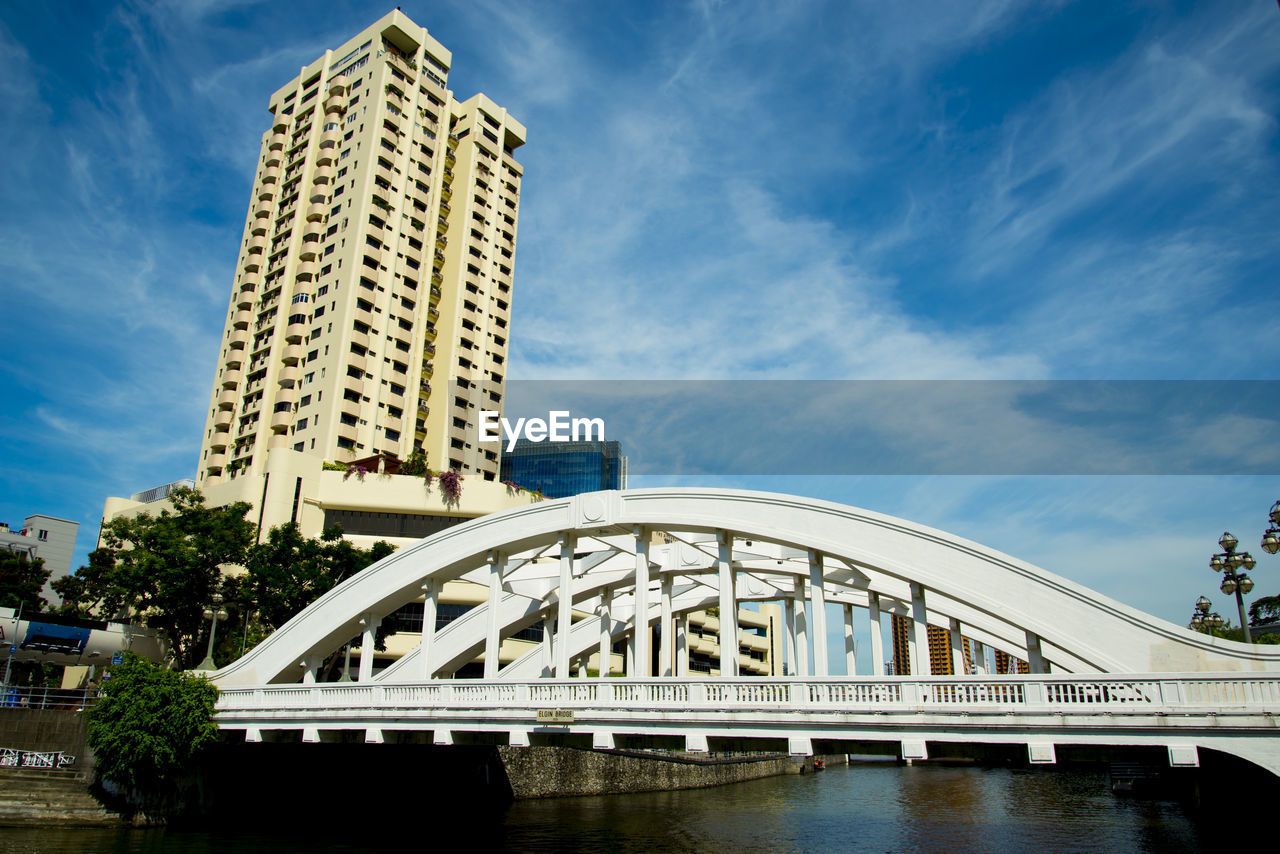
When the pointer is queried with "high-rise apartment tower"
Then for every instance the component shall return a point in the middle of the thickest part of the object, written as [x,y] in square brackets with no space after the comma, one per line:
[371,306]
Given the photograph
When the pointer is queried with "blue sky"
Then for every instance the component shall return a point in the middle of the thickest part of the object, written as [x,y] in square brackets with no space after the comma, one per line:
[997,190]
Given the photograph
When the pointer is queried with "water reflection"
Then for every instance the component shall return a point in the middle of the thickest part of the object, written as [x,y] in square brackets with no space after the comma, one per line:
[863,808]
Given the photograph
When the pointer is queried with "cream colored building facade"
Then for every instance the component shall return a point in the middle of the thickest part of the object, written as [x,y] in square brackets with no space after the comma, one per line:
[371,307]
[371,312]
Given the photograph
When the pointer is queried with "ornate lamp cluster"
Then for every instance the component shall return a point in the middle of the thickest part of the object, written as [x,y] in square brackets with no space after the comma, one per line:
[1234,580]
[1271,537]
[1201,619]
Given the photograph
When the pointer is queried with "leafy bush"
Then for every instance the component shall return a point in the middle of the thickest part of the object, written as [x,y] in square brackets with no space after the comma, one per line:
[148,725]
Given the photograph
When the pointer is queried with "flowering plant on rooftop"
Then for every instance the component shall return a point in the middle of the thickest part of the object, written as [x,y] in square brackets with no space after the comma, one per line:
[451,486]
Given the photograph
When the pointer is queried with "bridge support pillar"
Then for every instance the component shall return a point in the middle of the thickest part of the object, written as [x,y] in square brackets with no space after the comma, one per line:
[564,621]
[518,738]
[919,645]
[442,736]
[1035,660]
[310,735]
[644,663]
[1041,753]
[799,746]
[728,605]
[606,634]
[802,632]
[373,736]
[682,644]
[309,666]
[665,633]
[695,742]
[818,615]
[253,735]
[431,597]
[915,749]
[789,635]
[367,643]
[850,647]
[877,634]
[1184,756]
[957,647]
[548,626]
[602,740]
[979,657]
[493,633]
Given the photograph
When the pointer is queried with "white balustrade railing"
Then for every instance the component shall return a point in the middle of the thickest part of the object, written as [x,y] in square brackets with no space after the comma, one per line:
[1110,694]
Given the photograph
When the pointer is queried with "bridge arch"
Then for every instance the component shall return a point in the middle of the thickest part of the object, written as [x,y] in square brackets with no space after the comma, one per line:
[610,556]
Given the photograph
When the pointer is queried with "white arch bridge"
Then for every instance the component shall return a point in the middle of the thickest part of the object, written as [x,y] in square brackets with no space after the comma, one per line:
[595,567]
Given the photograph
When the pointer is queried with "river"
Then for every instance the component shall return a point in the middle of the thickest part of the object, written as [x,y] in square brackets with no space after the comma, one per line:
[878,807]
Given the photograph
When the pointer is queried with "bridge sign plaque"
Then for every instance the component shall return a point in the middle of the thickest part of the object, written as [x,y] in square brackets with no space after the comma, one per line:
[555,716]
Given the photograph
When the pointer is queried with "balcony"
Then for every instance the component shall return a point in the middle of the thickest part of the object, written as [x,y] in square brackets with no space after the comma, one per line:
[347,431]
[353,385]
[288,376]
[240,320]
[263,210]
[277,143]
[238,338]
[325,157]
[335,103]
[356,361]
[319,192]
[310,248]
[257,243]
[216,461]
[230,379]
[220,440]
[361,338]
[227,398]
[295,332]
[273,159]
[306,271]
[259,226]
[329,139]
[280,421]
[292,354]
[266,192]
[315,212]
[222,419]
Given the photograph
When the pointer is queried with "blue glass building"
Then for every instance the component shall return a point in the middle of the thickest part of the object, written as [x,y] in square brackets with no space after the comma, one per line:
[557,469]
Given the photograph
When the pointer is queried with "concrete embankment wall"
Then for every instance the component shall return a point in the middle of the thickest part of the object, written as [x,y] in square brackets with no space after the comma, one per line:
[553,772]
[49,797]
[46,730]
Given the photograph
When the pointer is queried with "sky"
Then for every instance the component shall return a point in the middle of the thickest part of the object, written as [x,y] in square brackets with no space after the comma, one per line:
[824,191]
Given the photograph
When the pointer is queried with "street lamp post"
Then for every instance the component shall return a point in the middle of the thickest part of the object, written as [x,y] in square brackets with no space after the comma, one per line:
[213,614]
[1201,619]
[1271,537]
[1231,563]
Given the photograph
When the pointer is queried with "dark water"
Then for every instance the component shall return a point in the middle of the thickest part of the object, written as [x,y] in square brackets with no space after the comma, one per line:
[859,808]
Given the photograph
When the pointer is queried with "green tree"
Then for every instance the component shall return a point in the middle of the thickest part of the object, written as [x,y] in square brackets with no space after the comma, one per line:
[164,567]
[1264,610]
[288,572]
[148,725]
[21,581]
